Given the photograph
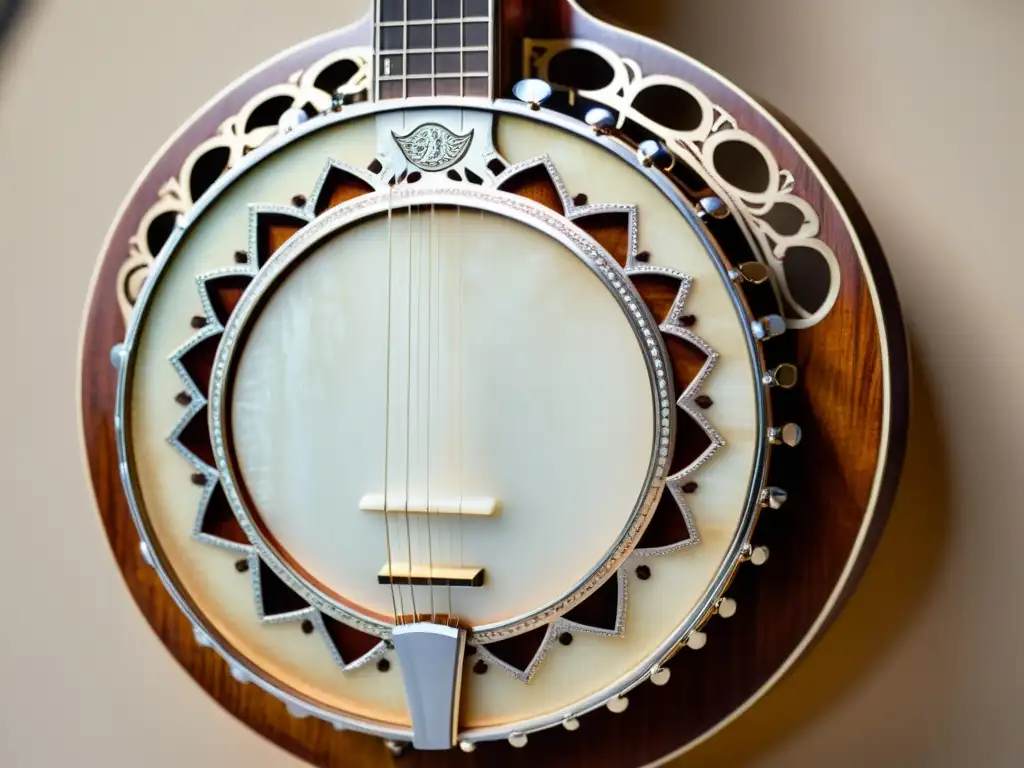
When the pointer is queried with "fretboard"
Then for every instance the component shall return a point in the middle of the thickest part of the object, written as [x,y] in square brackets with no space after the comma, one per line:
[434,48]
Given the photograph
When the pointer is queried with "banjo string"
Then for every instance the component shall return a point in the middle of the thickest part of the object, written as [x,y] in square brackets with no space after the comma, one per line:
[458,389]
[387,408]
[430,356]
[408,418]
[441,360]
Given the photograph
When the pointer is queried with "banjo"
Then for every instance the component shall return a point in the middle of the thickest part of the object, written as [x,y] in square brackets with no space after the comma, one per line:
[481,374]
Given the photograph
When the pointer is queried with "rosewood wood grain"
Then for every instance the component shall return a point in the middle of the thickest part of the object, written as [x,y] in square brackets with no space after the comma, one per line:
[840,481]
[346,188]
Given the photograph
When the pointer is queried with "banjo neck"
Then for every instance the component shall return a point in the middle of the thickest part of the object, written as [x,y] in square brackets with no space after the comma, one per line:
[429,48]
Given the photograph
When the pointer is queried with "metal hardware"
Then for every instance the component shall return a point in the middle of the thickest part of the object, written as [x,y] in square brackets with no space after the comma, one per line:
[432,147]
[753,272]
[712,207]
[661,675]
[727,607]
[618,705]
[345,95]
[788,434]
[571,724]
[431,660]
[768,327]
[467,746]
[773,497]
[696,640]
[754,555]
[518,740]
[601,120]
[424,575]
[117,356]
[533,92]
[654,154]
[291,119]
[784,376]
[396,748]
[147,556]
[296,711]
[202,639]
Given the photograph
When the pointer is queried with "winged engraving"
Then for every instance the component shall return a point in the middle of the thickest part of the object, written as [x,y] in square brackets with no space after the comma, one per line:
[432,147]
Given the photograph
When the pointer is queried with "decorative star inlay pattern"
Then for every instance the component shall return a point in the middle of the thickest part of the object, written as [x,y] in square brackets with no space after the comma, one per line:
[219,291]
[615,227]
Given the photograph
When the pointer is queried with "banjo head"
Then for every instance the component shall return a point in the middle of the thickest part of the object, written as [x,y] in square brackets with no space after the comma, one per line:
[452,419]
[522,436]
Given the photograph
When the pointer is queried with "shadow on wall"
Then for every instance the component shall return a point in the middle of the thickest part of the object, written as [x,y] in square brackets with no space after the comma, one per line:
[901,574]
[10,13]
[897,581]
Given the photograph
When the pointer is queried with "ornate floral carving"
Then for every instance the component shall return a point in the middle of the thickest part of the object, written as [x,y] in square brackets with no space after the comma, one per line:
[433,147]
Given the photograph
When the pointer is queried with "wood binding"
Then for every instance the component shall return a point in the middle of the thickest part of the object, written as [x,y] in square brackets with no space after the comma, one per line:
[852,402]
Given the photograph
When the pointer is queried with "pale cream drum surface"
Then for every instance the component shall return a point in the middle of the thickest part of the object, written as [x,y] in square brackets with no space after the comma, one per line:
[656,607]
[513,375]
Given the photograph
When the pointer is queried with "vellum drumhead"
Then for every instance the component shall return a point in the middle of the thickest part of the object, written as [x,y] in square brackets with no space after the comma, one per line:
[514,374]
[569,674]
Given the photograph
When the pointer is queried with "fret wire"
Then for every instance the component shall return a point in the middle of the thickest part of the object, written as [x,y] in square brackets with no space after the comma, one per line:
[400,59]
[493,25]
[467,49]
[405,95]
[427,76]
[378,35]
[433,58]
[425,22]
[462,39]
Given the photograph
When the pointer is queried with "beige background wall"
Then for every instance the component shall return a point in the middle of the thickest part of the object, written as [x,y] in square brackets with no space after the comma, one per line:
[920,102]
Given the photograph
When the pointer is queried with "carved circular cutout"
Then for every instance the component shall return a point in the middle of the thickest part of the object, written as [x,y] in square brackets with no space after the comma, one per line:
[269,112]
[670,107]
[742,166]
[785,219]
[580,69]
[335,75]
[159,230]
[808,277]
[134,280]
[207,168]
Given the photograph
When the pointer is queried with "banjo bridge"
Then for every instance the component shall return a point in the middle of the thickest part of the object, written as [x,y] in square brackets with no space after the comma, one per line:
[426,575]
[480,506]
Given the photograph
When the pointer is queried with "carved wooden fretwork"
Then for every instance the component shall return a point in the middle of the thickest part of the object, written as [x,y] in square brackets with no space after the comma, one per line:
[739,166]
[742,169]
[344,73]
